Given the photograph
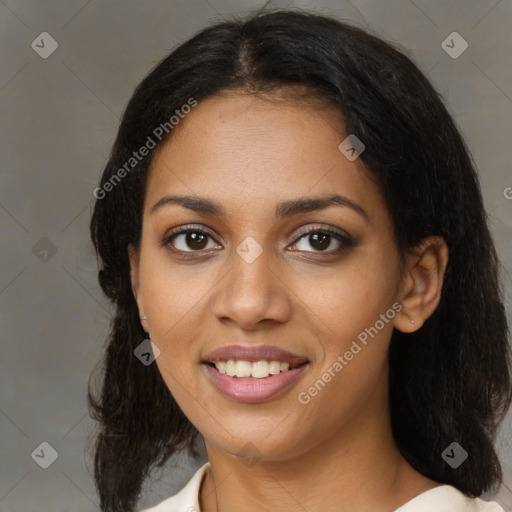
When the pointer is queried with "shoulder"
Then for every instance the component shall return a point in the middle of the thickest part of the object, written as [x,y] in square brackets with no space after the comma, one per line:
[446,498]
[186,500]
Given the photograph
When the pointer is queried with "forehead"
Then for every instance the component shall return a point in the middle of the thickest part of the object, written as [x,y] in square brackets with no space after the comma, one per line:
[253,151]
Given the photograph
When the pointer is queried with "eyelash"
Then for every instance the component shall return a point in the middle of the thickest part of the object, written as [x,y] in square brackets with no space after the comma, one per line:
[345,241]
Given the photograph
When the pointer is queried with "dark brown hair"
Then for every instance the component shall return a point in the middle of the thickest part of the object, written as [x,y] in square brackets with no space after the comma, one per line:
[451,379]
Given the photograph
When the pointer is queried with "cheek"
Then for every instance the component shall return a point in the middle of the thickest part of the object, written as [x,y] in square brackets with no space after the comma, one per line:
[353,298]
[172,294]
[174,302]
[352,373]
[356,319]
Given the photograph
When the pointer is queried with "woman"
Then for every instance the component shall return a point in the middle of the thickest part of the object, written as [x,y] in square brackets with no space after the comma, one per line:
[292,232]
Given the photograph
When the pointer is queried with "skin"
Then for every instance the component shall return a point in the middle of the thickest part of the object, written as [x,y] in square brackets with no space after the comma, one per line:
[249,153]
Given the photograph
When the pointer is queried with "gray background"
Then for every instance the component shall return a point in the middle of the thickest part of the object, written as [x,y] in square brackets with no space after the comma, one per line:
[59,117]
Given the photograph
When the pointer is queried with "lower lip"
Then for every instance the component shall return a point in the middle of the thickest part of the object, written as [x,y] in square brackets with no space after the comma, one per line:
[253,390]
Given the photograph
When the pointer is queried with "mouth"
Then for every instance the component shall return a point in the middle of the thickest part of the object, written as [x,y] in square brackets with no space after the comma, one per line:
[262,369]
[253,374]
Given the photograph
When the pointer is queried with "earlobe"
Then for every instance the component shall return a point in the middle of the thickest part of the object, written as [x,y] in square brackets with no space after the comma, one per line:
[421,290]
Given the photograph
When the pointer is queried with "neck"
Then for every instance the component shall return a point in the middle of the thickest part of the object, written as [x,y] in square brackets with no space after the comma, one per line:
[358,470]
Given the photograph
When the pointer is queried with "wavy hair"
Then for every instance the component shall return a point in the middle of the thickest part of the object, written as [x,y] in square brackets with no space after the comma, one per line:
[451,379]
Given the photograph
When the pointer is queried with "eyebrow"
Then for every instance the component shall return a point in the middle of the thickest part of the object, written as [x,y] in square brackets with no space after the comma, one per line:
[283,210]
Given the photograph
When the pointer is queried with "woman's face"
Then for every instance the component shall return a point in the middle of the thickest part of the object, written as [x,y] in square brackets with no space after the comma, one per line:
[252,283]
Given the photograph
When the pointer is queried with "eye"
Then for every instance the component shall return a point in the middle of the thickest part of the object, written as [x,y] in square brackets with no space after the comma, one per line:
[188,239]
[321,238]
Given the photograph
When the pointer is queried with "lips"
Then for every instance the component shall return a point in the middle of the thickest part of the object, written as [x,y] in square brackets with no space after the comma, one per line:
[242,386]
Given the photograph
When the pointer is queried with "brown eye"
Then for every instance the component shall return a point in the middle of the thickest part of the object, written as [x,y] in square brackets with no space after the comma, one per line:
[320,239]
[191,239]
[196,241]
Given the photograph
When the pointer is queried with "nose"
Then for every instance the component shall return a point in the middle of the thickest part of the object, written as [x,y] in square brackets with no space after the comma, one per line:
[253,293]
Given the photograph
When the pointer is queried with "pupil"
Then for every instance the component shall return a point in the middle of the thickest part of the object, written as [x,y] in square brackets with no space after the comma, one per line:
[196,240]
[320,245]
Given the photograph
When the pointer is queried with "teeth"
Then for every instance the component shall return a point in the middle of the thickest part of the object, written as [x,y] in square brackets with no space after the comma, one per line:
[274,367]
[258,370]
[243,369]
[230,368]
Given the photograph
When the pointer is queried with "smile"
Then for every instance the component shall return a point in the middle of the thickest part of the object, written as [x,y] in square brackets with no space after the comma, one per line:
[257,370]
[253,373]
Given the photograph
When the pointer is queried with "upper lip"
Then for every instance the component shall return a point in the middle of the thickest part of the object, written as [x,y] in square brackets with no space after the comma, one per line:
[253,354]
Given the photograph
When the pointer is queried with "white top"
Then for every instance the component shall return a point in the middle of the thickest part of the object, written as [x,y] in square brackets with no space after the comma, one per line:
[444,498]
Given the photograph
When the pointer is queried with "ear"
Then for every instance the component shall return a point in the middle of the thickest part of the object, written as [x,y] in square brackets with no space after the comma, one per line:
[420,290]
[133,256]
